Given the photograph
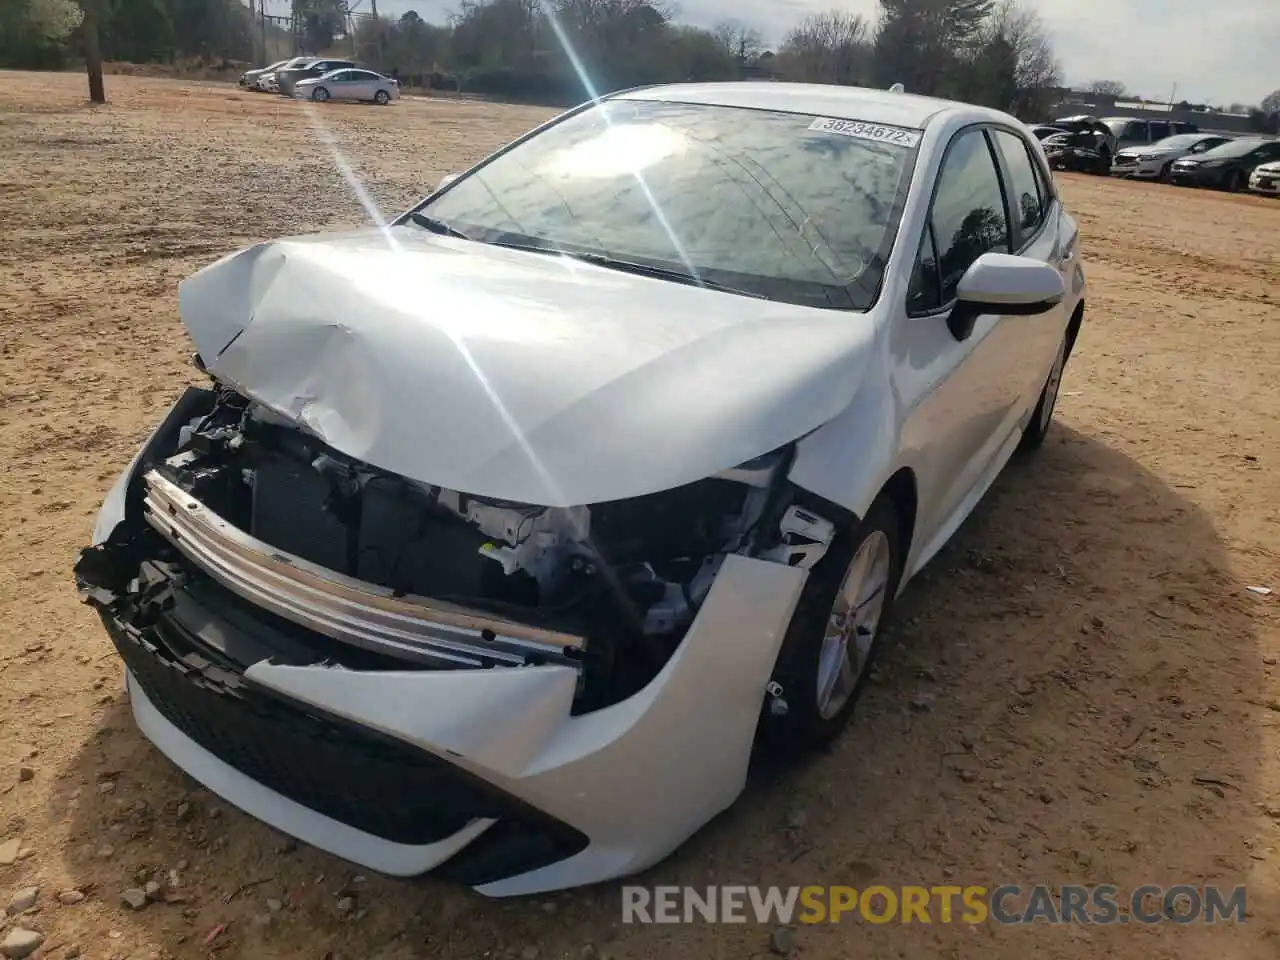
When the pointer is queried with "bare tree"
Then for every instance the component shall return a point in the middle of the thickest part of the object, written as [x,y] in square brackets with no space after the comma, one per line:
[1037,72]
[739,41]
[1271,103]
[1108,88]
[831,47]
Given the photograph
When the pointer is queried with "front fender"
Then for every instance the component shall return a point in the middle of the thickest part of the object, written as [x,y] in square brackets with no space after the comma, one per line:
[849,459]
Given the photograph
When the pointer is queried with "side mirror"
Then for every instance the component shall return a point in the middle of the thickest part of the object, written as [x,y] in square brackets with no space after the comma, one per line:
[1004,285]
[447,179]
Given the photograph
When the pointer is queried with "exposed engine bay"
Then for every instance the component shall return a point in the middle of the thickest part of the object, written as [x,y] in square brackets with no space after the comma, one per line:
[610,587]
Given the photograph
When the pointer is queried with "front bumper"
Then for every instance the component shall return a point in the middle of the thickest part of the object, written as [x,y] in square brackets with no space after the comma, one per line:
[1268,183]
[1195,176]
[1138,169]
[483,776]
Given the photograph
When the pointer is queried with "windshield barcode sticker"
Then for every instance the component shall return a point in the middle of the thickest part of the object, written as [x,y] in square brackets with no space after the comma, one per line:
[878,132]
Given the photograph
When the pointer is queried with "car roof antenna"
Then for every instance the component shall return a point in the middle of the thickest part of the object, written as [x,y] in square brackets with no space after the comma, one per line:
[898,88]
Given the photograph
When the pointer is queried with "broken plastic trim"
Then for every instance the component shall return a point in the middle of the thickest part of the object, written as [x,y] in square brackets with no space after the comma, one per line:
[340,607]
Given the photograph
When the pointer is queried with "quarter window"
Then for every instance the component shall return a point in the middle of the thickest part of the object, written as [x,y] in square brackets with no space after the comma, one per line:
[968,217]
[924,295]
[1029,201]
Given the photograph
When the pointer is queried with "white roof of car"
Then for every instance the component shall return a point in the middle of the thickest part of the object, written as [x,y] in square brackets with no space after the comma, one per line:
[820,99]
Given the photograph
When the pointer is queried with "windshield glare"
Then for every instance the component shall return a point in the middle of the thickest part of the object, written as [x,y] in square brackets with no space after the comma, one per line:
[750,199]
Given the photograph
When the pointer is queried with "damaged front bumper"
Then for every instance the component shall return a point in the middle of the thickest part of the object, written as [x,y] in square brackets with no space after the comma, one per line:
[340,607]
[409,735]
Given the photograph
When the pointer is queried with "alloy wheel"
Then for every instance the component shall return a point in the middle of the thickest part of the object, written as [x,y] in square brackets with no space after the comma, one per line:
[852,625]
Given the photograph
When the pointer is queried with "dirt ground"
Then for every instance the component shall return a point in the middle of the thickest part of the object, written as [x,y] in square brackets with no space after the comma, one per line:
[1081,658]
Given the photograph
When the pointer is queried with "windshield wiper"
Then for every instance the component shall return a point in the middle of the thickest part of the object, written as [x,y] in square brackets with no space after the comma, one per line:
[438,226]
[632,266]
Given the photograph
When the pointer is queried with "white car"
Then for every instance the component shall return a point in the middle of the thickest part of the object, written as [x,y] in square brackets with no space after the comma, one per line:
[1266,179]
[1153,161]
[502,538]
[267,83]
[349,84]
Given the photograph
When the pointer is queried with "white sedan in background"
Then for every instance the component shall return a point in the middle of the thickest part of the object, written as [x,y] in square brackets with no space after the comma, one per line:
[349,84]
[1266,179]
[1152,161]
[503,537]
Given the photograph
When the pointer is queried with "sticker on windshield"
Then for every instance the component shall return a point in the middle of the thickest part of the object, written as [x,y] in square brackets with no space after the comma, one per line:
[878,132]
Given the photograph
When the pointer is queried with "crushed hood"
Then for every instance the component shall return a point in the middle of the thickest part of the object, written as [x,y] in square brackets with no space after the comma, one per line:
[515,375]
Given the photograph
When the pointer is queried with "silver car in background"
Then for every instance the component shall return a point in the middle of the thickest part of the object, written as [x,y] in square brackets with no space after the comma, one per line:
[349,84]
[1153,162]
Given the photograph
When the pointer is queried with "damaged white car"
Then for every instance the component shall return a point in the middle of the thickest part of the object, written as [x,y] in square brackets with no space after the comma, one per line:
[503,536]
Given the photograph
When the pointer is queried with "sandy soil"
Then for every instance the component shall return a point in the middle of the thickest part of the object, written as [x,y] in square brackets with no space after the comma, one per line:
[1086,646]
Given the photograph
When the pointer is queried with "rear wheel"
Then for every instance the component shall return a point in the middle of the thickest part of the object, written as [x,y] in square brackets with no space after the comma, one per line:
[1232,183]
[320,94]
[1164,172]
[1034,433]
[382,98]
[834,636]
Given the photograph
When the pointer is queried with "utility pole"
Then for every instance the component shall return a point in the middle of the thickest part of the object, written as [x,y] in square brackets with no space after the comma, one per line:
[377,29]
[262,28]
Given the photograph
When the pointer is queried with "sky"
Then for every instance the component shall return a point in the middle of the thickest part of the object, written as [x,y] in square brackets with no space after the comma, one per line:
[1220,52]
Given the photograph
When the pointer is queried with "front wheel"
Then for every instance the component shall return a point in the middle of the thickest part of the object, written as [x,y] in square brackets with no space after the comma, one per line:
[834,636]
[1035,432]
[320,94]
[382,98]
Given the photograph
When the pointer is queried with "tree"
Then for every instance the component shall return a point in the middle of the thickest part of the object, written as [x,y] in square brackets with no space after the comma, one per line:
[92,51]
[32,31]
[1036,71]
[1271,103]
[831,47]
[1108,88]
[740,42]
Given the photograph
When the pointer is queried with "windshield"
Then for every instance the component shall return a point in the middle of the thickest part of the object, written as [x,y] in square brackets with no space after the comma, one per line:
[753,200]
[1234,148]
[1180,141]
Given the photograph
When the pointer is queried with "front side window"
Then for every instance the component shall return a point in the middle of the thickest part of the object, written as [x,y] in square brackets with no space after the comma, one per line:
[1159,129]
[750,199]
[968,215]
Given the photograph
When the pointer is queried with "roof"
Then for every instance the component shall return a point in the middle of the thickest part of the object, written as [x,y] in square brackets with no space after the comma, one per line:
[820,99]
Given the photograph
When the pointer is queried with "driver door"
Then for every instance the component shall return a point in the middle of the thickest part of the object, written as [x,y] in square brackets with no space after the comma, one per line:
[963,397]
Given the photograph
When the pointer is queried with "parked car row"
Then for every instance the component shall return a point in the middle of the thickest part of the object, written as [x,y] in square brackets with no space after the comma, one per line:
[321,79]
[1118,146]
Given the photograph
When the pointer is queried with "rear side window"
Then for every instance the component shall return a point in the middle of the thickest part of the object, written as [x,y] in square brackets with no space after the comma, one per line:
[968,217]
[1159,129]
[1025,189]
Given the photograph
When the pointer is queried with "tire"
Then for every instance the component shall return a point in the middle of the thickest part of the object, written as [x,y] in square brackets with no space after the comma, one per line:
[1232,183]
[382,98]
[1164,172]
[810,656]
[1038,428]
[320,94]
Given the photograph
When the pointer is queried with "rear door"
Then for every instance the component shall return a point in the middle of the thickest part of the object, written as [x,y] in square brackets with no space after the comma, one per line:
[1034,214]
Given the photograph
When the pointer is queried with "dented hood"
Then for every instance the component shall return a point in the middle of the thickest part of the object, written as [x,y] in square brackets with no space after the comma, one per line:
[516,375]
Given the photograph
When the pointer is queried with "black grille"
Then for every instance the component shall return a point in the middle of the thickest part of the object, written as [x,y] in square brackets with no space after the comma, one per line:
[375,784]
